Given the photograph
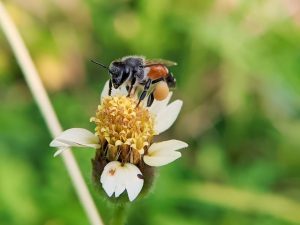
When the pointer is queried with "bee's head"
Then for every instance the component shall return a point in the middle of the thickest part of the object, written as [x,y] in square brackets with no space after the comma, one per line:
[119,73]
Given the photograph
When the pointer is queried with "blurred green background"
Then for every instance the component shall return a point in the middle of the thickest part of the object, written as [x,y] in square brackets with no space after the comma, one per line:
[239,78]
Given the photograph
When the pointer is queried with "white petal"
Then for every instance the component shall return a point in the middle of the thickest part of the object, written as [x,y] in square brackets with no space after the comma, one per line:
[116,178]
[159,105]
[104,92]
[59,151]
[120,91]
[109,186]
[119,190]
[161,160]
[77,137]
[110,177]
[162,153]
[134,183]
[167,116]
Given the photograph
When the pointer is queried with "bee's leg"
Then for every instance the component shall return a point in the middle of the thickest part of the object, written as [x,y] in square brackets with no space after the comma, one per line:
[131,86]
[157,80]
[109,87]
[146,88]
[150,99]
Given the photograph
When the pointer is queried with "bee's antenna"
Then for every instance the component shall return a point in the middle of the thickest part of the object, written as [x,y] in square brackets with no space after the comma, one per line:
[100,64]
[105,67]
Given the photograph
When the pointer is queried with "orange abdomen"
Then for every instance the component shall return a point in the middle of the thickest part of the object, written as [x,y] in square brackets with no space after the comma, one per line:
[157,71]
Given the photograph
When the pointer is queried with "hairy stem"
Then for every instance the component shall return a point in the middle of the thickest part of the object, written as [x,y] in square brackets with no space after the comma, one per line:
[120,214]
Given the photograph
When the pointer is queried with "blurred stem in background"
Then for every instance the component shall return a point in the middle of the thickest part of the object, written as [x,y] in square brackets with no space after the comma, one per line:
[42,100]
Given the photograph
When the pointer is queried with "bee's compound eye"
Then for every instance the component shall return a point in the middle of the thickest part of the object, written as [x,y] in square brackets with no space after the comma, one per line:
[161,91]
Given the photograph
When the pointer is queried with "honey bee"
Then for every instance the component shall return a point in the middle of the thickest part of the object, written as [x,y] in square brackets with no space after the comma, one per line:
[152,75]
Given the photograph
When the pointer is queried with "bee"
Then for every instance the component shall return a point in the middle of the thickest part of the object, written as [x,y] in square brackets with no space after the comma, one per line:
[152,75]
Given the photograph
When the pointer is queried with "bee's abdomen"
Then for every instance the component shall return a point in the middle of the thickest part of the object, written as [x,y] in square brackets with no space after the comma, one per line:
[157,71]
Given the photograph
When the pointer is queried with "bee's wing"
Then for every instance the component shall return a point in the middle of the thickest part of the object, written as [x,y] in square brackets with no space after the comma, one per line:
[151,62]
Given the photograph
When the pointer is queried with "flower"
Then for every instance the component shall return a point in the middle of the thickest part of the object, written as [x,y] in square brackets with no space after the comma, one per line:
[124,140]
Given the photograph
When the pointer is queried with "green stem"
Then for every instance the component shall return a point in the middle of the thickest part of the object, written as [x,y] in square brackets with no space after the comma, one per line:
[120,214]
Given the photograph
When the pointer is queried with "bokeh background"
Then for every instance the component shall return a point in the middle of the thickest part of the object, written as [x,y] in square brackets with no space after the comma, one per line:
[239,78]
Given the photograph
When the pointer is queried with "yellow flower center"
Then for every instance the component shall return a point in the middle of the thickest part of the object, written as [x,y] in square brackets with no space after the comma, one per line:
[124,130]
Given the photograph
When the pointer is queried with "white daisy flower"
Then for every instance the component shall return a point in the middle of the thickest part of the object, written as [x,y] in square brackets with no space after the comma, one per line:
[124,140]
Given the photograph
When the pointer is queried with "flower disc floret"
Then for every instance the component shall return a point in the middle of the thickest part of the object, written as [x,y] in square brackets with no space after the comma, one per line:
[126,129]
